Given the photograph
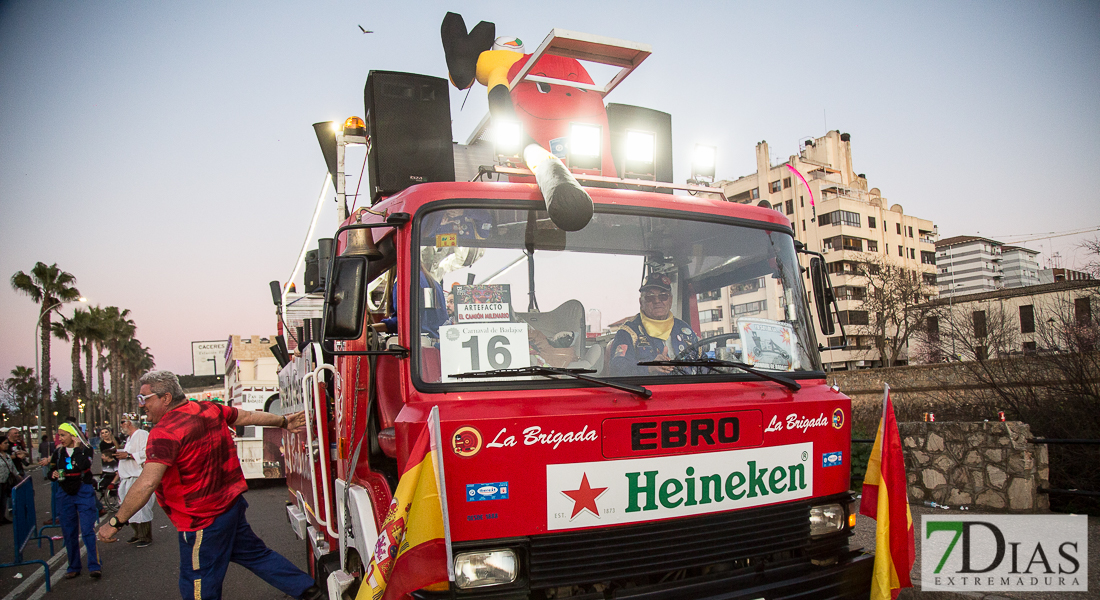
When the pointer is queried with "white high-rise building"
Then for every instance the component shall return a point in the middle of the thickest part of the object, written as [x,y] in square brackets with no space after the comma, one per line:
[1020,266]
[968,264]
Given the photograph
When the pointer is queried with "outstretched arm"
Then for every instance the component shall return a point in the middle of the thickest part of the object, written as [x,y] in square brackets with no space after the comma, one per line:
[294,421]
[136,498]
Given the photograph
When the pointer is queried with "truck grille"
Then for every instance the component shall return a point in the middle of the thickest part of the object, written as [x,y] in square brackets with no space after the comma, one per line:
[653,548]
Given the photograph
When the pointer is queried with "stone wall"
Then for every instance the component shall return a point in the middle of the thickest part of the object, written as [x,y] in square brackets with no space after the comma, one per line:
[985,465]
[951,390]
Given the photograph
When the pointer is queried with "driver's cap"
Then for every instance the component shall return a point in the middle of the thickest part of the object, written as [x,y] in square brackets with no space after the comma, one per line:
[657,280]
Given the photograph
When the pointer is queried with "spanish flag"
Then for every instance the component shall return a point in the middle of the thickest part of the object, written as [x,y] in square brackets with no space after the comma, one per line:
[412,550]
[886,500]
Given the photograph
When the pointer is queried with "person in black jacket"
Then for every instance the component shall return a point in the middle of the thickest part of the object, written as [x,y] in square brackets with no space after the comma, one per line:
[71,466]
[9,478]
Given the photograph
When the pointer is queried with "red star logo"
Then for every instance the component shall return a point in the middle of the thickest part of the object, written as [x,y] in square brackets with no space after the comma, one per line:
[585,497]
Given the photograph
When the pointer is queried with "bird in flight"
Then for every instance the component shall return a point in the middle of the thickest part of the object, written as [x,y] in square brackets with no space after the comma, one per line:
[364,30]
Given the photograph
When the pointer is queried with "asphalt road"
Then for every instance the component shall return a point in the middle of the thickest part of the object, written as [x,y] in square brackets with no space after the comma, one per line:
[151,572]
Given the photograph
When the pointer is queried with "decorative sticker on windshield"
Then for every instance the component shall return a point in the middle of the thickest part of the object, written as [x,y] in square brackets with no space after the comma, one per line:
[768,344]
[487,303]
[482,347]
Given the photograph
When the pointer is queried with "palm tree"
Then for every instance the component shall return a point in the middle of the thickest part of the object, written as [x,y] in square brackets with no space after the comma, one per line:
[64,331]
[25,386]
[137,361]
[118,330]
[49,287]
[102,326]
[93,337]
[78,329]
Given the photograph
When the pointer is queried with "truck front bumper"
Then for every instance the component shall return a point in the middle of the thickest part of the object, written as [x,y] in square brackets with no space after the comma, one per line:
[848,579]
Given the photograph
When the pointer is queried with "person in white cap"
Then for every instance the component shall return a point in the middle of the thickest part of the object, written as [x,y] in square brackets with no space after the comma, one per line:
[131,462]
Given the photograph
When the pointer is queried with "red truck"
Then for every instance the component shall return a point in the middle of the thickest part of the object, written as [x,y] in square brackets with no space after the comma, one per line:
[717,470]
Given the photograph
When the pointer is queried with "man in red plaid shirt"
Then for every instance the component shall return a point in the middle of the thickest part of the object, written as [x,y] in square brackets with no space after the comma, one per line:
[191,462]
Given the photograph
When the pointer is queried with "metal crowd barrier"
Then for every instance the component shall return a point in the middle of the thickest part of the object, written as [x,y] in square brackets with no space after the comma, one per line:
[25,526]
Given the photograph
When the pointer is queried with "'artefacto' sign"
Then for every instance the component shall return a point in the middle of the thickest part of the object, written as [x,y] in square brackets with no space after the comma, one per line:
[1024,553]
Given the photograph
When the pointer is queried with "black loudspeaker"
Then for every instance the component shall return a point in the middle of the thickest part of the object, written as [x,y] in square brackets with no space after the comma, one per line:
[409,130]
[324,255]
[622,118]
[276,293]
[312,278]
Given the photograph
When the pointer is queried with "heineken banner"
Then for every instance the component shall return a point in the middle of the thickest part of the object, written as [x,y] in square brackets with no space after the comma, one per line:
[643,489]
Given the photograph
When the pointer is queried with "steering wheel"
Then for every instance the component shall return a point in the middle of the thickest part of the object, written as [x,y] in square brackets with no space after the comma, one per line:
[683,354]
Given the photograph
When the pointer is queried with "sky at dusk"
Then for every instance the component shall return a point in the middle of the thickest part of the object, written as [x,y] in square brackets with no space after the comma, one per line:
[163,152]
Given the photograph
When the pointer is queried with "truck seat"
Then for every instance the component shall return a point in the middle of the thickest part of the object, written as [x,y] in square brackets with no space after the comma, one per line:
[567,319]
[389,390]
[387,441]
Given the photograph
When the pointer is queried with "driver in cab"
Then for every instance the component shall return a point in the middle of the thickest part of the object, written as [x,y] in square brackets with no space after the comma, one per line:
[653,334]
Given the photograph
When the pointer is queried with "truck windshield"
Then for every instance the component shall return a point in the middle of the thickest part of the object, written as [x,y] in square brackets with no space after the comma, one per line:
[505,289]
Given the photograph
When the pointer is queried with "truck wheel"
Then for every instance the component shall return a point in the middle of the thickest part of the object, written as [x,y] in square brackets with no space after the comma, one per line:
[325,566]
[354,565]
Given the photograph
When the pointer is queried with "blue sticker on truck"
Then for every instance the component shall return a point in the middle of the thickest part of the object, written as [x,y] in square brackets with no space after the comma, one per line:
[486,491]
[832,459]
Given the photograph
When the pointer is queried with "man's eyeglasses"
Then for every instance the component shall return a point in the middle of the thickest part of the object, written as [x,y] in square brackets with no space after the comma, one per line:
[662,297]
[141,398]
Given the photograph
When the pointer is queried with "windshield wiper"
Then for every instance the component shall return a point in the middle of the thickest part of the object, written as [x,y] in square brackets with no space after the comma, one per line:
[794,386]
[547,371]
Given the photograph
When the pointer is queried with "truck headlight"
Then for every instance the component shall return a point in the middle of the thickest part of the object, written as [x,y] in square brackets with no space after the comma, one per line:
[480,569]
[826,518]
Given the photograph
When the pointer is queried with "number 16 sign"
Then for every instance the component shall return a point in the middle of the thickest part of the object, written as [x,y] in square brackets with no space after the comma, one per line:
[482,347]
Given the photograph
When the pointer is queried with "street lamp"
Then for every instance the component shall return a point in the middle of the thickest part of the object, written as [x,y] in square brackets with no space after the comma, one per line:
[951,312]
[37,340]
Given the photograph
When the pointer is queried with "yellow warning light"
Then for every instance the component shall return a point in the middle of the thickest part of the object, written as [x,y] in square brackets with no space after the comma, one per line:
[354,126]
[851,520]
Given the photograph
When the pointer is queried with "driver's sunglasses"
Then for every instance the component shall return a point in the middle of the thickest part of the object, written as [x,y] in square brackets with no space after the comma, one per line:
[141,398]
[662,297]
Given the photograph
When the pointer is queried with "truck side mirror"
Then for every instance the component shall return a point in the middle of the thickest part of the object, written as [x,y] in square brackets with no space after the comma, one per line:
[823,294]
[345,299]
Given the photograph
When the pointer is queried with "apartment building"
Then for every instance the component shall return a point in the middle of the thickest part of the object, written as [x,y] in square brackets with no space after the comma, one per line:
[1056,275]
[252,383]
[251,372]
[1006,322]
[837,213]
[969,264]
[1020,266]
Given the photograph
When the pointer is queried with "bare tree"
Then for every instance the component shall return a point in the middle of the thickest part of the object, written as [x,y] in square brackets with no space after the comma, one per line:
[1048,377]
[896,302]
[1092,248]
[949,332]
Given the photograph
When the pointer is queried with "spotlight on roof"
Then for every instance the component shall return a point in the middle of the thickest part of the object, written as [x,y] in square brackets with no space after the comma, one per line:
[640,155]
[585,145]
[702,164]
[508,137]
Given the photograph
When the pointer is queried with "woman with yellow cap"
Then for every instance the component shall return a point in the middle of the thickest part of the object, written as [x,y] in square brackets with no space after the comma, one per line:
[71,466]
